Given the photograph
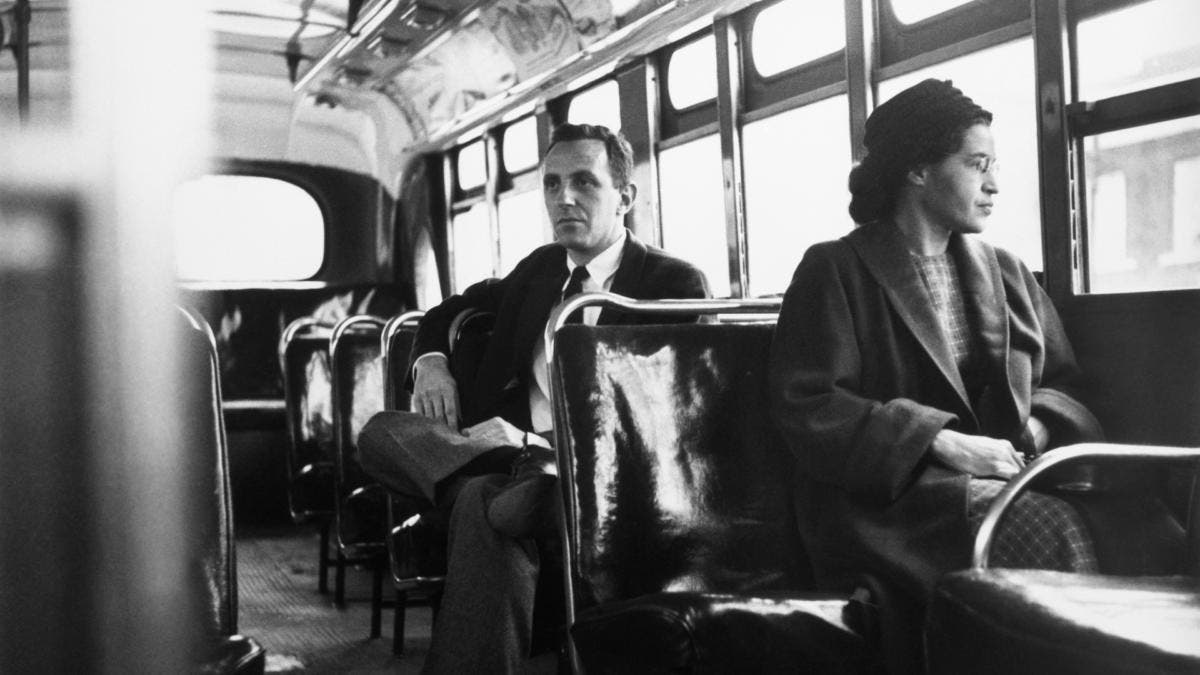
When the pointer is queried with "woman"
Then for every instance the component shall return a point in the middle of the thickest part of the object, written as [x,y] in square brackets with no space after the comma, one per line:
[915,367]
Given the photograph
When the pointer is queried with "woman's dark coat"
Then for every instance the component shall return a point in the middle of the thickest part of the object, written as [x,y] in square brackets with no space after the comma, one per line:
[862,380]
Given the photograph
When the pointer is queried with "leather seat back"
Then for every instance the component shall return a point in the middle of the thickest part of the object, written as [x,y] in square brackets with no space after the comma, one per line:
[680,480]
[308,402]
[212,534]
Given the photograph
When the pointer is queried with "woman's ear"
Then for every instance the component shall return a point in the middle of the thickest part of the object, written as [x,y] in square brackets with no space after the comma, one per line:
[916,175]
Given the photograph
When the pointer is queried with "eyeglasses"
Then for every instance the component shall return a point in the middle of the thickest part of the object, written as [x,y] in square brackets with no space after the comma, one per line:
[984,163]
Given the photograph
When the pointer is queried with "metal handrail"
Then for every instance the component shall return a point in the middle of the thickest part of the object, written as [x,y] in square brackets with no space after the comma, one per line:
[1071,454]
[292,331]
[404,320]
[565,459]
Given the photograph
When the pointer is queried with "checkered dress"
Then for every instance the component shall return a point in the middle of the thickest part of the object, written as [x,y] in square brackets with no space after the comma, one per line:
[1039,531]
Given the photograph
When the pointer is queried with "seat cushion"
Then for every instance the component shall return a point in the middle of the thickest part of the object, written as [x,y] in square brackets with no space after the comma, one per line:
[232,654]
[701,632]
[1036,621]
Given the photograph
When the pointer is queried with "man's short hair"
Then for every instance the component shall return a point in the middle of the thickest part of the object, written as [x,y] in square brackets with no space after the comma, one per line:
[616,147]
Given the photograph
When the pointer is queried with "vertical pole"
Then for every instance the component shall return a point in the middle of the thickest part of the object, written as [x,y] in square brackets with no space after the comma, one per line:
[1057,186]
[638,88]
[729,116]
[860,70]
[22,15]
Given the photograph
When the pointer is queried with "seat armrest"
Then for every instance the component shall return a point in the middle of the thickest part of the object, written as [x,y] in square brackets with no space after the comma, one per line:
[1074,454]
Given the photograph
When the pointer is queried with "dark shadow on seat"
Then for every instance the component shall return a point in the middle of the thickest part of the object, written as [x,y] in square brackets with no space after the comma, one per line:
[223,650]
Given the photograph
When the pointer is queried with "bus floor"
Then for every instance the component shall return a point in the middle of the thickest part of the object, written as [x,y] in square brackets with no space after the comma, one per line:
[303,630]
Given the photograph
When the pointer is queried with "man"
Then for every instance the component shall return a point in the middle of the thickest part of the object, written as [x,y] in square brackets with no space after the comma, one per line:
[485,621]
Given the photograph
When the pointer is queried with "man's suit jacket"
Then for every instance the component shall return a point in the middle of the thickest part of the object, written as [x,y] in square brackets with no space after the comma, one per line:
[522,302]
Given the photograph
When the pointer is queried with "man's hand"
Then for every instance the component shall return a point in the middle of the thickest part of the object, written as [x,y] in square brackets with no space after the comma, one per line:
[435,393]
[979,456]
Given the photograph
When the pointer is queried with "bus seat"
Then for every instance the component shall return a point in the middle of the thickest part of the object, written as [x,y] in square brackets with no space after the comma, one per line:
[683,554]
[360,507]
[991,620]
[307,393]
[416,532]
[223,650]
[416,551]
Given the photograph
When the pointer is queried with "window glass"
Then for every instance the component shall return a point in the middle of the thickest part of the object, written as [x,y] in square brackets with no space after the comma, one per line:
[1145,45]
[692,73]
[523,227]
[794,32]
[599,105]
[796,196]
[1001,80]
[472,247]
[224,224]
[693,208]
[471,167]
[912,11]
[520,145]
[1143,207]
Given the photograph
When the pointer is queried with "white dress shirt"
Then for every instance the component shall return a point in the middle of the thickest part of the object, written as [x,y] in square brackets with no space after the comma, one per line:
[601,271]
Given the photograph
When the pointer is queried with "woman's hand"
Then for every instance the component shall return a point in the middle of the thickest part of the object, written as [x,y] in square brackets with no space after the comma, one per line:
[979,456]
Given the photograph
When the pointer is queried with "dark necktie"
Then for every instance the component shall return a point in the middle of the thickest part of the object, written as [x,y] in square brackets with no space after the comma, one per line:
[575,287]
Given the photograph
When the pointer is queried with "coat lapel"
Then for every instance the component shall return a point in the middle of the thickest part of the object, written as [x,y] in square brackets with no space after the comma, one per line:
[541,293]
[627,279]
[885,254]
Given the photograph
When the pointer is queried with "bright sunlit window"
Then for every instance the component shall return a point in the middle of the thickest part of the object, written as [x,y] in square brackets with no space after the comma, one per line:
[246,228]
[912,11]
[520,145]
[523,227]
[791,204]
[692,73]
[1142,46]
[472,247]
[599,105]
[693,208]
[1001,80]
[1143,208]
[795,32]
[471,166]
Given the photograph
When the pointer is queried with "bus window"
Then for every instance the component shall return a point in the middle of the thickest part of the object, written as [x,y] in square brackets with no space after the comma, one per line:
[693,208]
[692,73]
[471,166]
[796,168]
[523,227]
[1143,209]
[520,145]
[1138,47]
[792,32]
[599,105]
[472,246]
[1001,80]
[912,11]
[223,224]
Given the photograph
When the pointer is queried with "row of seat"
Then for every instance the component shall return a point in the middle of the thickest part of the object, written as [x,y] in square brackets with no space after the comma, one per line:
[682,552]
[335,378]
